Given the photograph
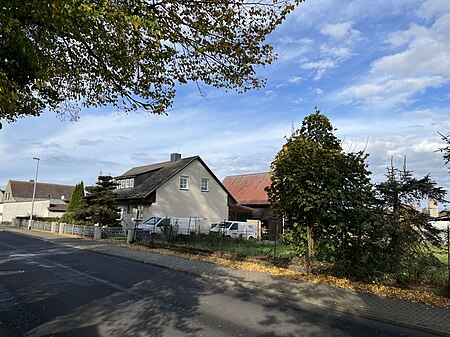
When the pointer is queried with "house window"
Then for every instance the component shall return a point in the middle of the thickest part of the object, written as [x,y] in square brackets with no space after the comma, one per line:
[139,212]
[125,183]
[184,183]
[205,185]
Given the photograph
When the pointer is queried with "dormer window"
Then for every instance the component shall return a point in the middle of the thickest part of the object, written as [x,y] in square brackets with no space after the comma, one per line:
[125,183]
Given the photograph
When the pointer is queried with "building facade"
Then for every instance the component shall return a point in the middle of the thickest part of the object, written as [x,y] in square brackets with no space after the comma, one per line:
[181,187]
[50,200]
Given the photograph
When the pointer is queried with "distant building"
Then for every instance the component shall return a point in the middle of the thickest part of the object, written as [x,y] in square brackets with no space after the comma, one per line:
[440,220]
[249,191]
[50,199]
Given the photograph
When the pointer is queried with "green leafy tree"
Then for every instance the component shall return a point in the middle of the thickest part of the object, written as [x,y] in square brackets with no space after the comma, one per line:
[100,206]
[76,202]
[407,231]
[131,53]
[323,193]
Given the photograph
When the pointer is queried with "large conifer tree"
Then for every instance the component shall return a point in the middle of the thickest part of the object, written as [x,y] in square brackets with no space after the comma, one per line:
[100,206]
[407,230]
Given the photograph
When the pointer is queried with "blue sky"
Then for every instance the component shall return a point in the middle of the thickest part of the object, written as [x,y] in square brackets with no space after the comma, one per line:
[380,70]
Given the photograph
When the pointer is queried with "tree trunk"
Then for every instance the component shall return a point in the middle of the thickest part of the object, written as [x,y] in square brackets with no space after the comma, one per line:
[311,250]
[448,260]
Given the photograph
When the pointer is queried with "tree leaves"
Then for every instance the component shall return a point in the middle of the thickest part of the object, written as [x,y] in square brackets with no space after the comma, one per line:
[130,54]
[316,185]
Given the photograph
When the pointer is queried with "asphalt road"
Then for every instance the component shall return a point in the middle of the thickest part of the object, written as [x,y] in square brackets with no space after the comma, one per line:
[52,290]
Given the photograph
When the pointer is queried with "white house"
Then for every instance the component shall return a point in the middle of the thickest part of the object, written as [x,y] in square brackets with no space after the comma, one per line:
[50,199]
[181,187]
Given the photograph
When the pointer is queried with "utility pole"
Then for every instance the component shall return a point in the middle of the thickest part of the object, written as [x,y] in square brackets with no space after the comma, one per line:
[34,193]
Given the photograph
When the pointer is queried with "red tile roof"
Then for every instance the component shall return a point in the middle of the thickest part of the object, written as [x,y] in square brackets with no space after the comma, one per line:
[248,189]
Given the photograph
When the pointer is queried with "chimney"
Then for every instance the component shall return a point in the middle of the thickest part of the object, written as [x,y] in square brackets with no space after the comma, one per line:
[175,157]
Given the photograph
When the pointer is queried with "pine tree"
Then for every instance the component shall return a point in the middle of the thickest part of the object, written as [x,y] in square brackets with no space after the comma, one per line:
[76,201]
[407,231]
[100,206]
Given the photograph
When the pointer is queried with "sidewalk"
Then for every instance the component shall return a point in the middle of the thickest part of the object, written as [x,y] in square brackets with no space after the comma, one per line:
[413,315]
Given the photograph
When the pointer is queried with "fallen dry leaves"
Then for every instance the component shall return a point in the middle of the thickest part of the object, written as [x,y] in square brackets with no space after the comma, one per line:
[219,258]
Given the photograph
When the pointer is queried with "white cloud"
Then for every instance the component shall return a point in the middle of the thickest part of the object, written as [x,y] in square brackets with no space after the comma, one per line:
[320,66]
[295,79]
[291,49]
[339,52]
[422,63]
[397,136]
[269,94]
[318,91]
[341,31]
[334,52]
[427,51]
[389,91]
[433,116]
[431,8]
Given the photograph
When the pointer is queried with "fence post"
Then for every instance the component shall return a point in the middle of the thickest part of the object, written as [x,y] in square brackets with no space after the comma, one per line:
[97,233]
[61,228]
[131,235]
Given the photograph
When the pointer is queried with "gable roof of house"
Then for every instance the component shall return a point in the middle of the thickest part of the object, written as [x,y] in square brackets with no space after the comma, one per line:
[158,174]
[248,189]
[23,190]
[153,167]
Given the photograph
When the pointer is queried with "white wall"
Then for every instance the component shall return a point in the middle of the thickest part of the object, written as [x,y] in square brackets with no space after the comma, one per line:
[172,201]
[15,209]
[1,212]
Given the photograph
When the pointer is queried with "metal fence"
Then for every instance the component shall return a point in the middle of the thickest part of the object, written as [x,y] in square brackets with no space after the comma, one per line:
[106,232]
[109,232]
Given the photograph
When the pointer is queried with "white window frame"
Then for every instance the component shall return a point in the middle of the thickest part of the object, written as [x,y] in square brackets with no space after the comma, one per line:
[139,212]
[184,182]
[204,187]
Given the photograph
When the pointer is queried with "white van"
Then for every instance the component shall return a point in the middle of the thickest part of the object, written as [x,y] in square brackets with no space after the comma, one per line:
[184,226]
[235,229]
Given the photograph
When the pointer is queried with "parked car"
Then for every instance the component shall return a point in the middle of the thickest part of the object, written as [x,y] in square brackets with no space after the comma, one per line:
[235,229]
[149,224]
[184,226]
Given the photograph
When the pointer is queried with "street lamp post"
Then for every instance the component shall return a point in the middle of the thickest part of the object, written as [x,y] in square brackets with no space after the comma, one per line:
[34,193]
